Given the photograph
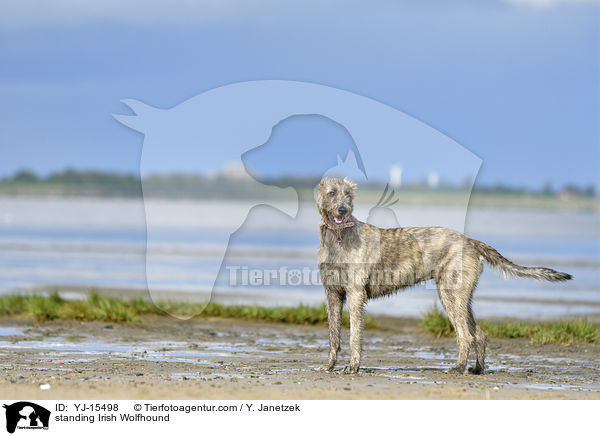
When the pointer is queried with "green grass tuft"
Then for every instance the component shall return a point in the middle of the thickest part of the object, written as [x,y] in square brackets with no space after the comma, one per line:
[560,332]
[436,322]
[97,307]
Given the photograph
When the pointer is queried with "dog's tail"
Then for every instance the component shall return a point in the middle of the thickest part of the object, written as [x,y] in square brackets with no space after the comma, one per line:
[500,263]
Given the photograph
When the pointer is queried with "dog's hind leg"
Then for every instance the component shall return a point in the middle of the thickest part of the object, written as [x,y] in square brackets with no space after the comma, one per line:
[335,303]
[480,344]
[480,340]
[456,299]
[464,338]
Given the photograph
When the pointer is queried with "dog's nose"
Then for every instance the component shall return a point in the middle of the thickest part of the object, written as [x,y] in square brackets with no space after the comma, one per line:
[342,210]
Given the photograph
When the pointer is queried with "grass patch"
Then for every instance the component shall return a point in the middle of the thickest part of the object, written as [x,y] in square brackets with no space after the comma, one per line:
[97,307]
[435,321]
[560,332]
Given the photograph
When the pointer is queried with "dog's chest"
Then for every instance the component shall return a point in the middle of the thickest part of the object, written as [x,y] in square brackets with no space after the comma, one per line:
[334,251]
[330,254]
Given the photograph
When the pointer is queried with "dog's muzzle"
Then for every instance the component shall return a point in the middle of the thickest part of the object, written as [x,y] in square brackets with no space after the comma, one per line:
[341,216]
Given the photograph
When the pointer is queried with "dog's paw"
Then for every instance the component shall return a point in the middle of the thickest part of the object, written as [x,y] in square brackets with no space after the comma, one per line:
[476,370]
[350,369]
[456,370]
[325,368]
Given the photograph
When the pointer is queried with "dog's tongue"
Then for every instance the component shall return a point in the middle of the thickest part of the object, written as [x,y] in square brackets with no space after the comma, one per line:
[338,219]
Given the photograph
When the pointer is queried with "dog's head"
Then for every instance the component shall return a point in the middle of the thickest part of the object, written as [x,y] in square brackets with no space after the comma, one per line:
[335,200]
[299,148]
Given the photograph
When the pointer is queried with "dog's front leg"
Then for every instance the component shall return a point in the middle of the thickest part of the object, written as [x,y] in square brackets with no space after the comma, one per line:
[335,302]
[356,303]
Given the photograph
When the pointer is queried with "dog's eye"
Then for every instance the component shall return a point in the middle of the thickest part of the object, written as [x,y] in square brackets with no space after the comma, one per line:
[331,193]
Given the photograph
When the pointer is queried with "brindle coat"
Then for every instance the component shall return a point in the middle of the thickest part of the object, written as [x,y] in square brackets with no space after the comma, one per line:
[358,261]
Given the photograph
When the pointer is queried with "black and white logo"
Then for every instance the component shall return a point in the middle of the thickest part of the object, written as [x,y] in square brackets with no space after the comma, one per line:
[26,415]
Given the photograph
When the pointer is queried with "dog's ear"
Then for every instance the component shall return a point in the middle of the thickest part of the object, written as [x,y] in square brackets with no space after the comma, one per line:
[322,183]
[350,183]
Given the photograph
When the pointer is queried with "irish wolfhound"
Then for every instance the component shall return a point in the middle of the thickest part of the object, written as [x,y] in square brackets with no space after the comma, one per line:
[358,261]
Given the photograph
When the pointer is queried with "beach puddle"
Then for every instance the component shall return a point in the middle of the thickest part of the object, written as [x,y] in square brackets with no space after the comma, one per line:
[423,353]
[412,379]
[549,387]
[11,331]
[61,351]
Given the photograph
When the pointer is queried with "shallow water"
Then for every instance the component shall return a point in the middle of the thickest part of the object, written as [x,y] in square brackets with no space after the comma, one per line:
[101,242]
[11,331]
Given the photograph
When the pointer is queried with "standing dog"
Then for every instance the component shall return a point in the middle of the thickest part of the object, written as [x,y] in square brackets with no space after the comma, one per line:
[358,261]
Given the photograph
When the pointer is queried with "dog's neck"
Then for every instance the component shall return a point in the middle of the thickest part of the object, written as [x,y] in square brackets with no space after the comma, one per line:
[339,228]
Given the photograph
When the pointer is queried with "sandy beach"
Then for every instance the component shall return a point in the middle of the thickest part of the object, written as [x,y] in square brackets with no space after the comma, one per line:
[166,358]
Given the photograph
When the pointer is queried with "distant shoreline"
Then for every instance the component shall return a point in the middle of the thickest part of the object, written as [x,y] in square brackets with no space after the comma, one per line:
[101,184]
[405,197]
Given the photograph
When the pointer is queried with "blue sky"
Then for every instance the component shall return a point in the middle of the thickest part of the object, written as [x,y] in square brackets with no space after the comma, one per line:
[516,82]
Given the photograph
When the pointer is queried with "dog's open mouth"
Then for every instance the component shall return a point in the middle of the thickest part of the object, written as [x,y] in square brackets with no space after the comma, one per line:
[338,219]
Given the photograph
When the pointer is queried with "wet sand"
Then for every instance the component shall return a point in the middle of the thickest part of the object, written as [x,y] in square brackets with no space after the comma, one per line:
[165,358]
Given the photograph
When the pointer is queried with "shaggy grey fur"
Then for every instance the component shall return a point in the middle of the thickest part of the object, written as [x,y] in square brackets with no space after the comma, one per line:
[358,261]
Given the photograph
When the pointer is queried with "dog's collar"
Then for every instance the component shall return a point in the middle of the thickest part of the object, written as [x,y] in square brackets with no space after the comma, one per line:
[338,229]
